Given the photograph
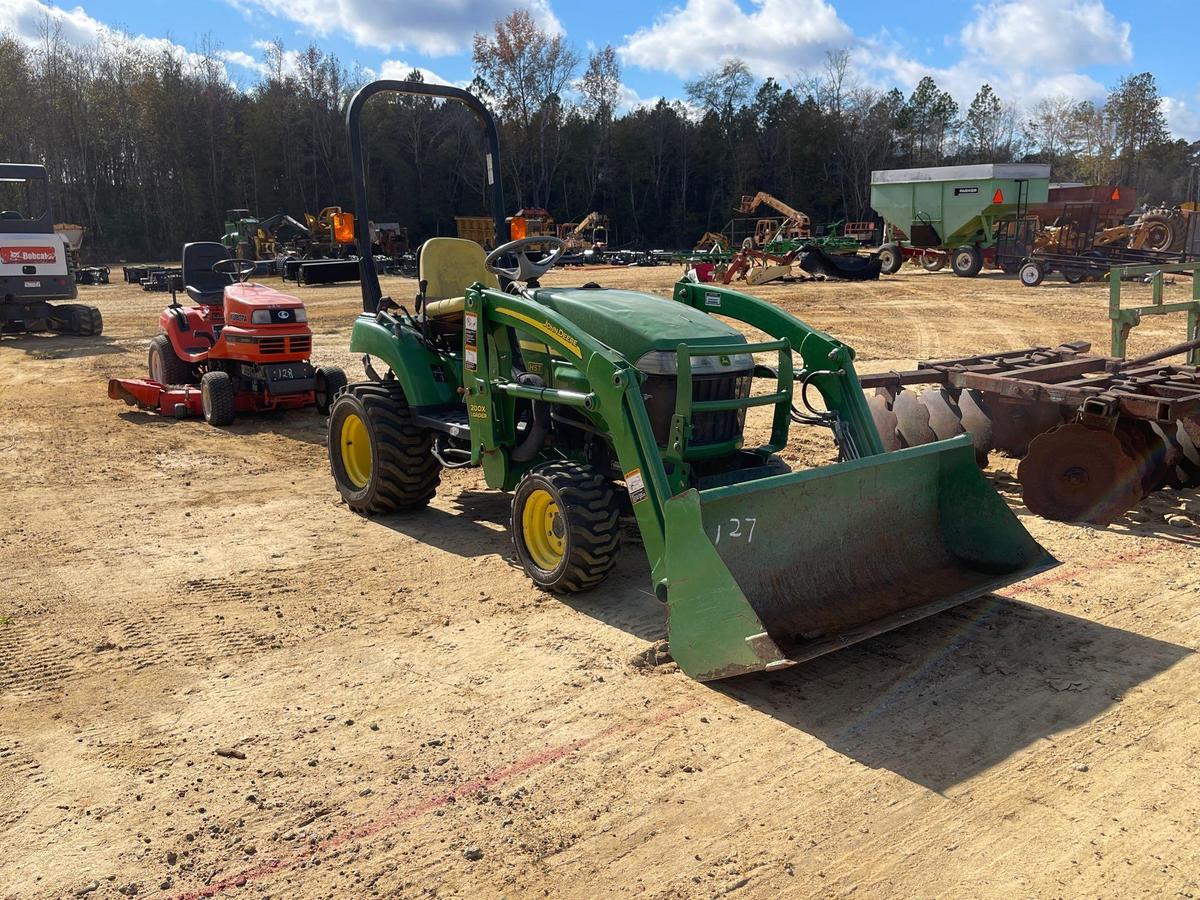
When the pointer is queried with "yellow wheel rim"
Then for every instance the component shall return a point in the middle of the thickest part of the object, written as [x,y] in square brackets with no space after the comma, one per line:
[355,446]
[544,530]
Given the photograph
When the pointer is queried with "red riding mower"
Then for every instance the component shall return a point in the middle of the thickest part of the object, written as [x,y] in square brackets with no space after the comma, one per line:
[243,347]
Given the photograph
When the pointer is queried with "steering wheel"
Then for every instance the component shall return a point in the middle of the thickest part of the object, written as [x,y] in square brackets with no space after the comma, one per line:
[237,269]
[526,269]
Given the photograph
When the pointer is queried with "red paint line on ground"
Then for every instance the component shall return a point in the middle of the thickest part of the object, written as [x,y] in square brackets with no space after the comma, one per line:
[1057,576]
[527,764]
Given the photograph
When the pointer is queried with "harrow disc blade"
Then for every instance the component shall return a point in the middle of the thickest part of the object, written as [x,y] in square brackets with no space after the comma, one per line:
[1073,473]
[912,419]
[885,422]
[1016,423]
[977,420]
[1164,457]
[1187,469]
[945,418]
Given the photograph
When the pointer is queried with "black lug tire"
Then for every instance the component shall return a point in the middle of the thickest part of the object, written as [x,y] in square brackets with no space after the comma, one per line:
[173,369]
[77,319]
[331,381]
[589,503]
[404,472]
[966,262]
[1031,274]
[891,258]
[217,398]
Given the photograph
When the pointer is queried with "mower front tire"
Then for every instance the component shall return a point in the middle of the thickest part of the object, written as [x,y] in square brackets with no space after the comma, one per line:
[217,398]
[565,526]
[382,461]
[331,381]
[165,365]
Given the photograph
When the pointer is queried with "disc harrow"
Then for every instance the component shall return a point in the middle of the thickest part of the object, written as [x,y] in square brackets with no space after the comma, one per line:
[1095,434]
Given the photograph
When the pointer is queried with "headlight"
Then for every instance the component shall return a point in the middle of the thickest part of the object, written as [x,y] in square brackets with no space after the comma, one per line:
[301,314]
[261,317]
[664,362]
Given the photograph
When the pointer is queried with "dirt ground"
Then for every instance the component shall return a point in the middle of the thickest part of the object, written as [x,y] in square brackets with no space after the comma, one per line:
[409,718]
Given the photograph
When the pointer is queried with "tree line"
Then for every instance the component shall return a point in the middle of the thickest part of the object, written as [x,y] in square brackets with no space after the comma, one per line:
[147,148]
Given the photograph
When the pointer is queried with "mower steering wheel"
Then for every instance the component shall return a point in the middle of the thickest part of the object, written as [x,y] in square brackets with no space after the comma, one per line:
[237,269]
[526,269]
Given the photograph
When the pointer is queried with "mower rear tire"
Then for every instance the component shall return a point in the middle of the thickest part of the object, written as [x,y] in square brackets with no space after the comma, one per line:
[217,398]
[966,262]
[891,258]
[382,461]
[330,382]
[165,365]
[565,526]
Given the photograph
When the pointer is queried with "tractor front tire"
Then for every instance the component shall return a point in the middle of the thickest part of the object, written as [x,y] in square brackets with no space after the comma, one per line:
[217,398]
[165,365]
[382,461]
[565,526]
[966,262]
[330,382]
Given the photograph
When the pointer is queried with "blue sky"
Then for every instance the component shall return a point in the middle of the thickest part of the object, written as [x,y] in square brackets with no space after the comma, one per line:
[1026,49]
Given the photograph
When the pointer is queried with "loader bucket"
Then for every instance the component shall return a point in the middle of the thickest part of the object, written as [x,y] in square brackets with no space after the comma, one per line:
[768,573]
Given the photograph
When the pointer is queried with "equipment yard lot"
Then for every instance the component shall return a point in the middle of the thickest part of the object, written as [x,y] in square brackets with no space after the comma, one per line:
[178,597]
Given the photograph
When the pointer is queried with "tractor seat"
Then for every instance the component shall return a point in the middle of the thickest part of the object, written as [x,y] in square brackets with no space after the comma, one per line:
[199,280]
[448,266]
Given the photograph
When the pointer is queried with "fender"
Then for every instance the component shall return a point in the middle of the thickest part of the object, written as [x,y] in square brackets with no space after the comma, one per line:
[413,365]
[189,332]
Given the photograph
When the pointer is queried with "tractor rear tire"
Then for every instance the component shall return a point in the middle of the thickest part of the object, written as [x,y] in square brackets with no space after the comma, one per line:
[331,381]
[891,258]
[565,526]
[382,461]
[966,262]
[217,398]
[1167,230]
[165,365]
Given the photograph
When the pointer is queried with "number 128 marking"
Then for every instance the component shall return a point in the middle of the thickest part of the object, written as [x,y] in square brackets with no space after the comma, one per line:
[739,529]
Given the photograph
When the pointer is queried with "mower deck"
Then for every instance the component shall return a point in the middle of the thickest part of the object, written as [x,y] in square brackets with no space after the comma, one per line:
[183,400]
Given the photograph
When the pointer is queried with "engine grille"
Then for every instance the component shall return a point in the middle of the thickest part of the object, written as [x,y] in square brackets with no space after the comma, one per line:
[300,343]
[658,391]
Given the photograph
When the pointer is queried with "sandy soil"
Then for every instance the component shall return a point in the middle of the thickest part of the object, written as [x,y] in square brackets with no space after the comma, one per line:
[401,701]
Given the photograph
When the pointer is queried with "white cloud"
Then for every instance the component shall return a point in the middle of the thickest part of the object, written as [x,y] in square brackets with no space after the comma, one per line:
[399,69]
[26,20]
[242,60]
[1049,35]
[432,27]
[1183,119]
[776,38]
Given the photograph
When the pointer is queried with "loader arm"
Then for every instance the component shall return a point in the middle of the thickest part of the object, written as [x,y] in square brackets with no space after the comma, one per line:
[762,198]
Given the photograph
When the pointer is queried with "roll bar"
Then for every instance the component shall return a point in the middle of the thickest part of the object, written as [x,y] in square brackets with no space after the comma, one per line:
[358,175]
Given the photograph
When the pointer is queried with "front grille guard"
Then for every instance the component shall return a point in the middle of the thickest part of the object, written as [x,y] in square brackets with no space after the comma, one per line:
[687,407]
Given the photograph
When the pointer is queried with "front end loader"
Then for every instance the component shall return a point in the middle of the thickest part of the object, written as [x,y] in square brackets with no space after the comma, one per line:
[593,406]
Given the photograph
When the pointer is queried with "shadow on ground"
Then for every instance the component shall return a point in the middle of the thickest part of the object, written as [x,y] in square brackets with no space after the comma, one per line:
[946,698]
[57,346]
[937,701]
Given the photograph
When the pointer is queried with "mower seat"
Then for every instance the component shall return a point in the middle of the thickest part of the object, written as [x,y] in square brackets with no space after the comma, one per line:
[448,266]
[199,280]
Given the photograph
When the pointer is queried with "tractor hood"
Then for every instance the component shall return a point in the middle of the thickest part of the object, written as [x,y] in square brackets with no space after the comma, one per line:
[636,324]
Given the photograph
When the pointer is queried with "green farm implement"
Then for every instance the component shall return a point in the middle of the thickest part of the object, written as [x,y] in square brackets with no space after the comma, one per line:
[951,213]
[599,408]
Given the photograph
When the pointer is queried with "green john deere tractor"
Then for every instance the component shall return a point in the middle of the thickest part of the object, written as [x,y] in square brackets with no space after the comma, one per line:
[591,404]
